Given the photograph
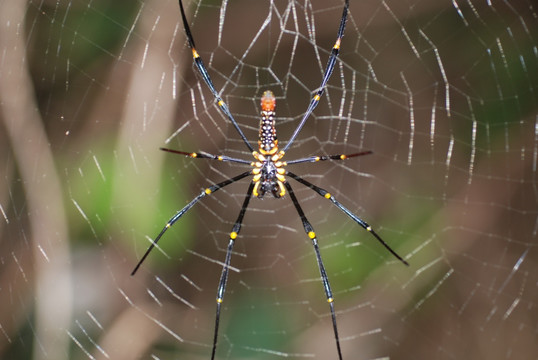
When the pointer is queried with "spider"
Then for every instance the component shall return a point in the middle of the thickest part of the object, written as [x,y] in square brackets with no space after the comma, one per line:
[269,174]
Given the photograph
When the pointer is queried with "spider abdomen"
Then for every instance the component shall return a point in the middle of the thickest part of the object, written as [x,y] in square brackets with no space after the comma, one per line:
[267,141]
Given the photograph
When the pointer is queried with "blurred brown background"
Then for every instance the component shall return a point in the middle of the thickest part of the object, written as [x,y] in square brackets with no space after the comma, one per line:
[443,92]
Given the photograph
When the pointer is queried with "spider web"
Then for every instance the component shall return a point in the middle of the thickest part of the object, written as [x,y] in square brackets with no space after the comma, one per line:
[443,92]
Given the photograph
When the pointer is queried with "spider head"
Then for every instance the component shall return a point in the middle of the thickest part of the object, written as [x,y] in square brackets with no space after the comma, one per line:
[268,186]
[268,178]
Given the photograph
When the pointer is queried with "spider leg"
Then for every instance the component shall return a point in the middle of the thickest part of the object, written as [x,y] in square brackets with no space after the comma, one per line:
[205,75]
[224,275]
[204,155]
[327,157]
[326,75]
[182,212]
[346,211]
[326,286]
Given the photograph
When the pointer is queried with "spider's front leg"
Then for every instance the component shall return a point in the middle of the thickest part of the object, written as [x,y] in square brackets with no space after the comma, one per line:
[358,220]
[324,278]
[225,268]
[208,191]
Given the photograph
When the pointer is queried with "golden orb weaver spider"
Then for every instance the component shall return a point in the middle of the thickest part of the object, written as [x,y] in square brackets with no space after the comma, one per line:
[269,174]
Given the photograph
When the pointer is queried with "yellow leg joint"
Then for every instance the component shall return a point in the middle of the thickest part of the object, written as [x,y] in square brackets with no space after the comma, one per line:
[311,234]
[256,186]
[327,196]
[208,191]
[282,189]
[233,235]
[337,43]
[330,300]
[219,300]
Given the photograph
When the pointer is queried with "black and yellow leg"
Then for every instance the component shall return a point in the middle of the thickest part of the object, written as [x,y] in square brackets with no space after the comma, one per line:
[345,210]
[205,75]
[182,212]
[225,268]
[203,155]
[328,157]
[324,278]
[326,75]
